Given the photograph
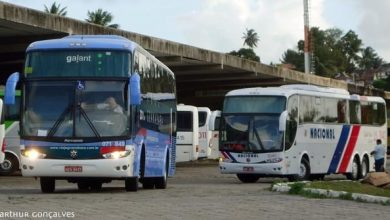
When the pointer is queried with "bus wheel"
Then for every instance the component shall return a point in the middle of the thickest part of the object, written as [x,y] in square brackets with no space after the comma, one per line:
[83,185]
[131,184]
[248,178]
[161,182]
[148,183]
[304,172]
[48,184]
[10,165]
[364,168]
[96,186]
[354,175]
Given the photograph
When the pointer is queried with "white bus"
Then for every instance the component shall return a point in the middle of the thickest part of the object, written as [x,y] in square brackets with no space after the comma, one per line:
[2,132]
[300,132]
[214,128]
[187,142]
[204,132]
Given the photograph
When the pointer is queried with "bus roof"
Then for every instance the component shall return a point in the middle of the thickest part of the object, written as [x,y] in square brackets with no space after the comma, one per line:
[112,42]
[288,90]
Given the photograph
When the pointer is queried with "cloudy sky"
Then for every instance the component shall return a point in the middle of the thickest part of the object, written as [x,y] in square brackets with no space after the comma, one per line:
[219,24]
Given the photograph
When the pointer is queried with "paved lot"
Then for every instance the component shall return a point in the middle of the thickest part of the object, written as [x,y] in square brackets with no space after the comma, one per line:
[196,192]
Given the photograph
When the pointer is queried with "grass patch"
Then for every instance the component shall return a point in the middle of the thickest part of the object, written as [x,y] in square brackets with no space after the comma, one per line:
[350,187]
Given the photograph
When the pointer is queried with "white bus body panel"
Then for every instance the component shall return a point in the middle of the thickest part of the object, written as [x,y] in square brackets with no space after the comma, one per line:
[187,142]
[214,140]
[204,134]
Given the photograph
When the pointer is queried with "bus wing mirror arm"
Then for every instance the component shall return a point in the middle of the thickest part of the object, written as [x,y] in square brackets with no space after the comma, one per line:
[135,89]
[10,88]
[282,121]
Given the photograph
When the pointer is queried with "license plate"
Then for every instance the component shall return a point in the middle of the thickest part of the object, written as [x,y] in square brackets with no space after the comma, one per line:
[77,169]
[248,169]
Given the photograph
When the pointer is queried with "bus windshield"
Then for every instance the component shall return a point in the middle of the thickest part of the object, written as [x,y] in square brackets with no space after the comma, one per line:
[95,63]
[75,109]
[251,124]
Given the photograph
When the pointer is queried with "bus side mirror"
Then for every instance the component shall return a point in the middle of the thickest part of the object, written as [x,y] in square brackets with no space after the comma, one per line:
[282,121]
[10,88]
[135,89]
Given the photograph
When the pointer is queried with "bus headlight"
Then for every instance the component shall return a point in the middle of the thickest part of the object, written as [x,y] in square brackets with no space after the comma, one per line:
[274,160]
[33,154]
[116,154]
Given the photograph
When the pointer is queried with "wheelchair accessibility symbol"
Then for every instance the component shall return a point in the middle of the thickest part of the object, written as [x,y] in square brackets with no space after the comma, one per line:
[80,85]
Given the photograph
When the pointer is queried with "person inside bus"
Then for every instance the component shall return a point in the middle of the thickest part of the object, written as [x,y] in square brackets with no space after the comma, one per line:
[379,156]
[109,104]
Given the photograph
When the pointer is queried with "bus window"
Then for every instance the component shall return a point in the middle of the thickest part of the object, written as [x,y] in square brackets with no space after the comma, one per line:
[292,120]
[354,112]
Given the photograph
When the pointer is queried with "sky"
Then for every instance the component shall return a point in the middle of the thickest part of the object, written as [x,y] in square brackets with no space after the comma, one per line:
[219,25]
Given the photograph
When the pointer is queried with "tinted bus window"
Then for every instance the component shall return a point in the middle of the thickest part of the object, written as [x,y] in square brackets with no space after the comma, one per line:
[184,121]
[202,118]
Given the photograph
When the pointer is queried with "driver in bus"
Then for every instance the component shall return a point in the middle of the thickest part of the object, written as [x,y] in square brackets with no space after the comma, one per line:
[109,104]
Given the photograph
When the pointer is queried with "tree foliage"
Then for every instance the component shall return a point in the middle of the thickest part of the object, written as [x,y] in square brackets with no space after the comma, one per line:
[56,9]
[101,17]
[246,53]
[251,38]
[334,52]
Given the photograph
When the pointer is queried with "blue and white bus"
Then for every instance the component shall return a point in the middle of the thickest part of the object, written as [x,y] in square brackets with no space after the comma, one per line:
[299,132]
[89,116]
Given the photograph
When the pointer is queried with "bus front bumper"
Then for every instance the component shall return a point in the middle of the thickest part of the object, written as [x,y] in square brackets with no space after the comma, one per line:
[264,168]
[109,168]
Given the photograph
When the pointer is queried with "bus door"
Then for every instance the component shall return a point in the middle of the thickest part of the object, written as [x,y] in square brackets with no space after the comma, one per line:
[187,143]
[214,128]
[204,132]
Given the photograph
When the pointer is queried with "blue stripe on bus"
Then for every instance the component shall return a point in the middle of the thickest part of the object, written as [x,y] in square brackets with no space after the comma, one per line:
[231,157]
[339,149]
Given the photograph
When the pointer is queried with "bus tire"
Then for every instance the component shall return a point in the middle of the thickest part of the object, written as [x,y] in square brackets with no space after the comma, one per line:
[148,183]
[48,184]
[131,184]
[96,186]
[161,182]
[10,165]
[354,174]
[304,172]
[83,185]
[364,168]
[248,178]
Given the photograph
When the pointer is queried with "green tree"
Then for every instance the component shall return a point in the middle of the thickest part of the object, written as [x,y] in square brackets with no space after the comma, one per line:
[334,52]
[250,38]
[56,9]
[246,53]
[369,59]
[101,17]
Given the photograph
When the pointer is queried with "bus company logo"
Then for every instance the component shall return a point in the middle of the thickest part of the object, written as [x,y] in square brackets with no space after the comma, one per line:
[322,133]
[78,58]
[73,154]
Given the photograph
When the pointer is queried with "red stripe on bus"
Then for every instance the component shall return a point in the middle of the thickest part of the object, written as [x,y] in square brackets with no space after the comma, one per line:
[350,148]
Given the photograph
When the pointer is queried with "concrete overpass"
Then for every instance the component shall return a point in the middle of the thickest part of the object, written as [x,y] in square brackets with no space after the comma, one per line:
[203,76]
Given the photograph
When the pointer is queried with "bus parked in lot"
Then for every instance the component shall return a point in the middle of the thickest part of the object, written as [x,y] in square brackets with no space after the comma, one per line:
[214,128]
[11,162]
[2,132]
[204,132]
[104,123]
[187,142]
[300,132]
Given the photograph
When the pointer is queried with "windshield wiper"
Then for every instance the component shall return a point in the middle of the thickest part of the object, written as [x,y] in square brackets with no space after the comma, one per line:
[59,121]
[90,124]
[254,131]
